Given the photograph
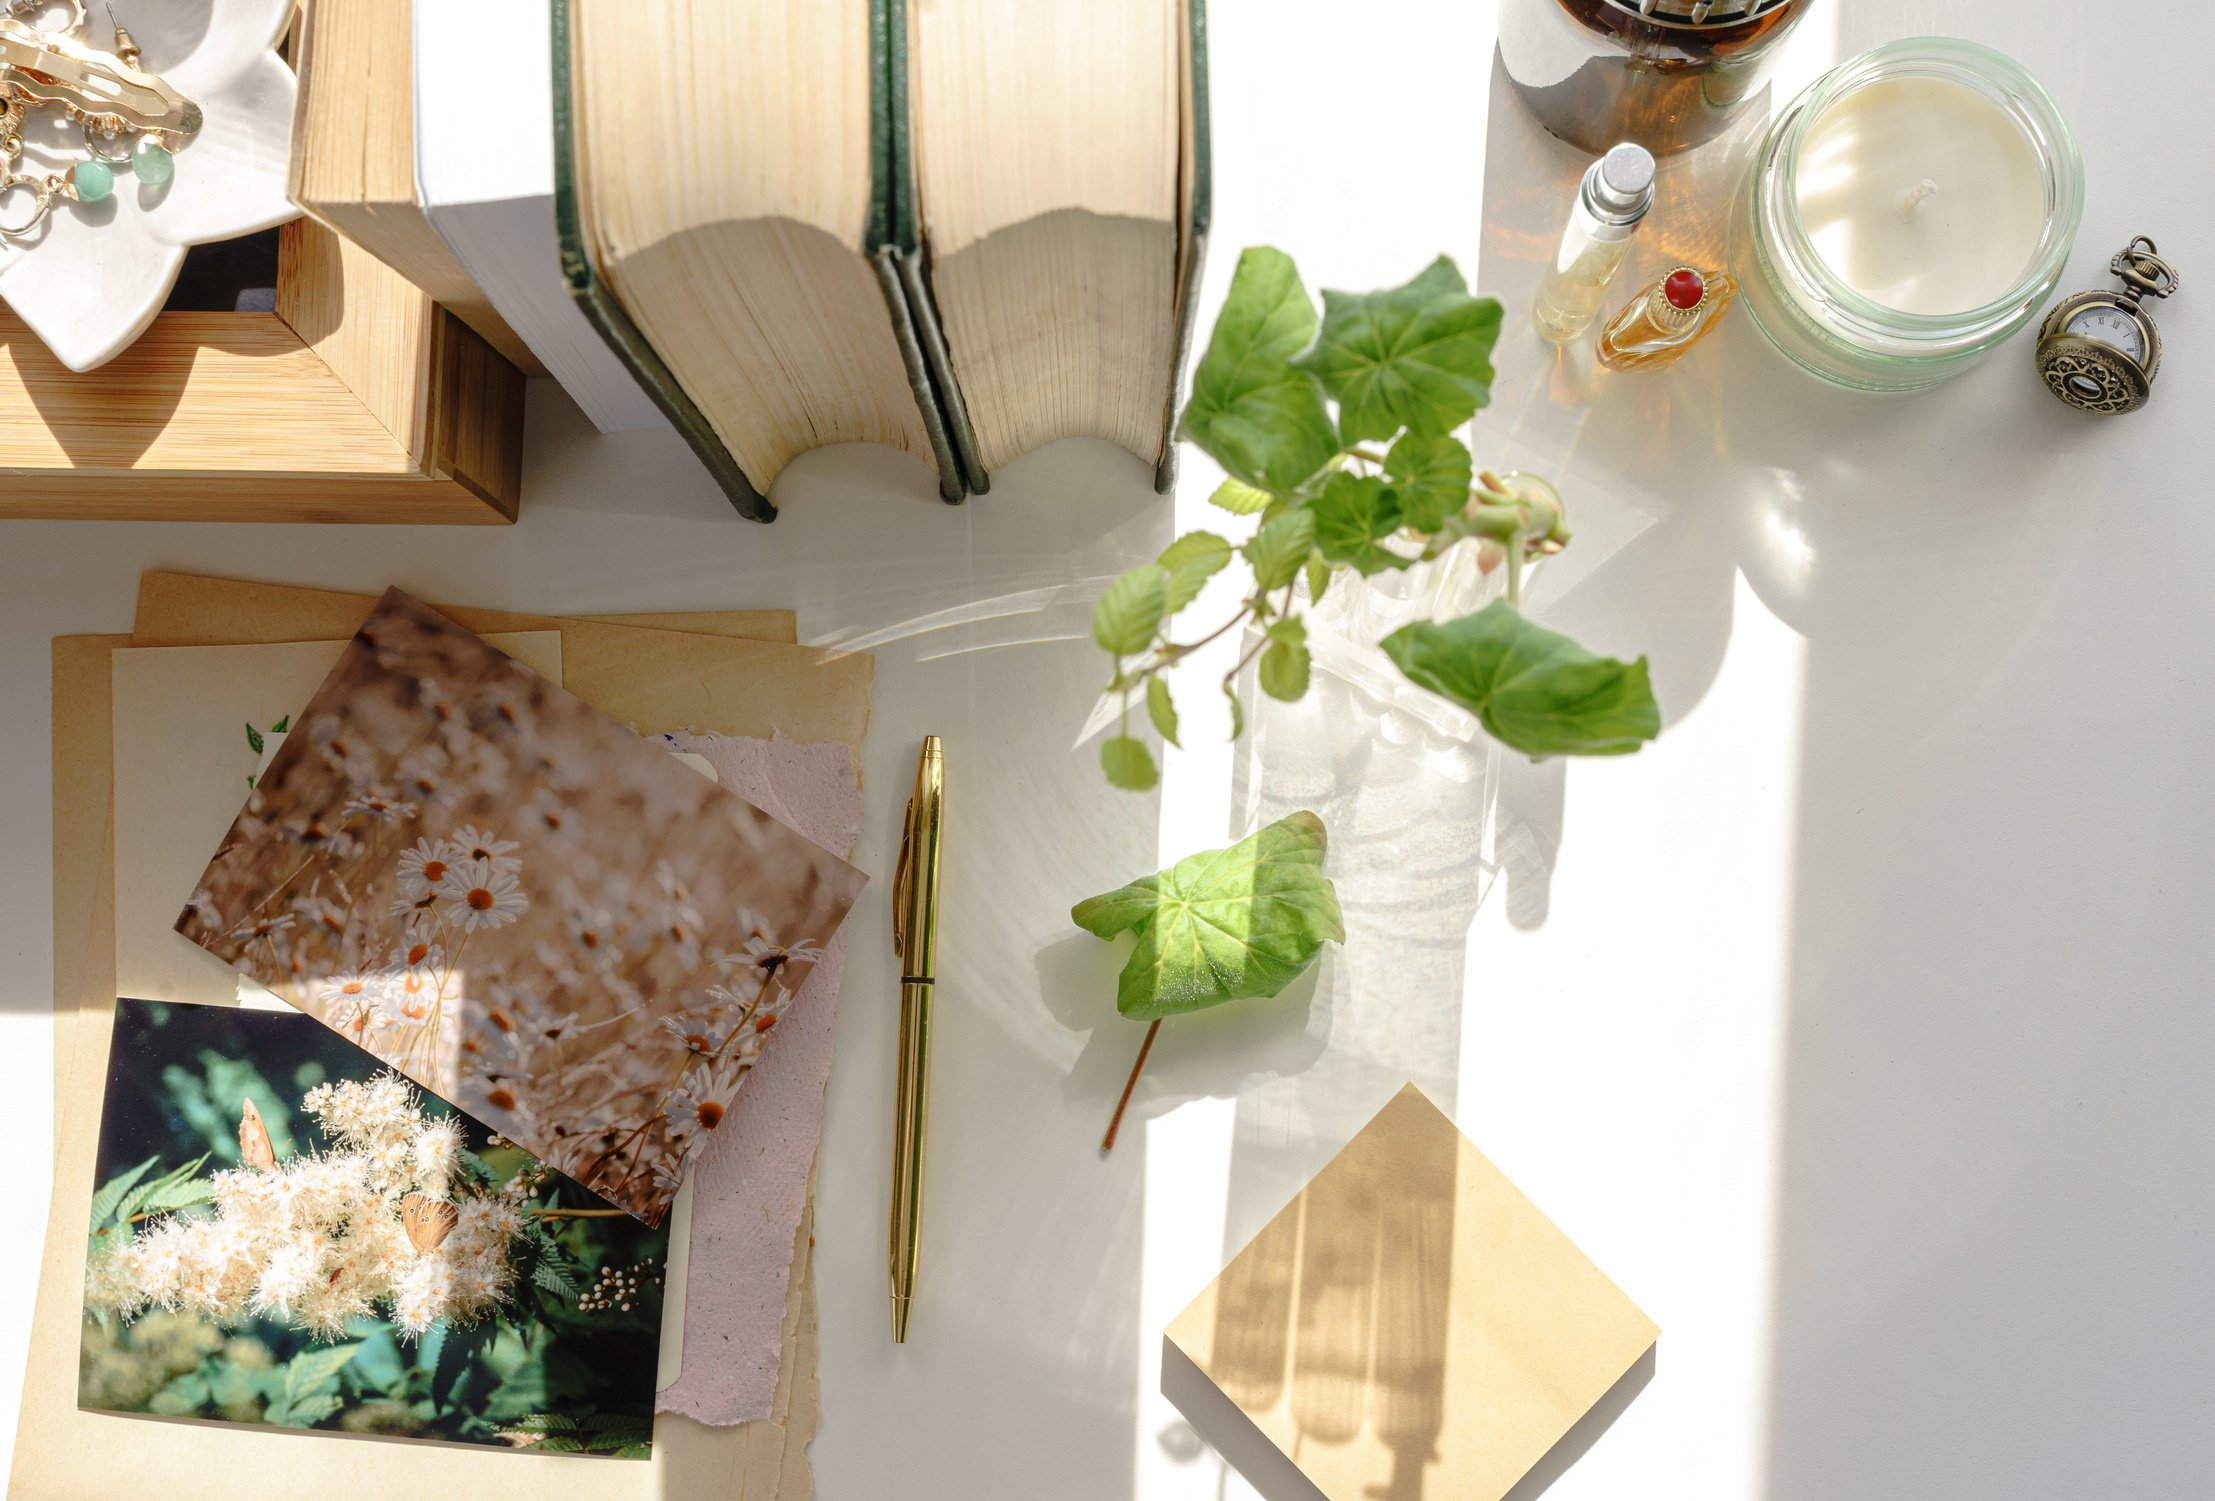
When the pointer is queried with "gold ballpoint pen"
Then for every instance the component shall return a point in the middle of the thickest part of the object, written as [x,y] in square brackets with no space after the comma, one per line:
[915,941]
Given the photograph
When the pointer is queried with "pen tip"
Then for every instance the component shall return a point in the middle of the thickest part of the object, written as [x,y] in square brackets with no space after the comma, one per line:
[900,1320]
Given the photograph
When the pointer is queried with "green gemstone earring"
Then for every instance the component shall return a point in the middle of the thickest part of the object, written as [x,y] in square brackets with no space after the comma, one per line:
[130,118]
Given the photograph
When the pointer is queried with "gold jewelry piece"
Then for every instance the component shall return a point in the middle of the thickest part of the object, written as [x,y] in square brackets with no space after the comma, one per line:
[108,95]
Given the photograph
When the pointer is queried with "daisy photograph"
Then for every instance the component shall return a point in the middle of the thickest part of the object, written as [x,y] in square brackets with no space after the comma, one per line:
[518,903]
[286,1232]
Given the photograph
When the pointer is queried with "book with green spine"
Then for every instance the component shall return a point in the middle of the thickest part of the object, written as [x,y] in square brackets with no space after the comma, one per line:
[1031,245]
[1063,273]
[737,263]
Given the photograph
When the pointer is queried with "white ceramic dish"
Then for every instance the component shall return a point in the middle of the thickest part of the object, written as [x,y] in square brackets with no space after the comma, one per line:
[96,274]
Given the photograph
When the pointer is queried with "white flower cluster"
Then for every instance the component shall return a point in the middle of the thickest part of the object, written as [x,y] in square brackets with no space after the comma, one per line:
[384,1225]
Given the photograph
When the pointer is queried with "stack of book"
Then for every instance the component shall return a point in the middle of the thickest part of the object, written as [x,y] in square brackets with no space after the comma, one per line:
[962,229]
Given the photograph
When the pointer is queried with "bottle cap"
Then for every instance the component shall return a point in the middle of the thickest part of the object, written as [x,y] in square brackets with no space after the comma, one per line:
[1620,185]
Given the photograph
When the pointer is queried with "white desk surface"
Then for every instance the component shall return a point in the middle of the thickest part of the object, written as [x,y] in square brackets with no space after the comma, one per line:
[1860,1028]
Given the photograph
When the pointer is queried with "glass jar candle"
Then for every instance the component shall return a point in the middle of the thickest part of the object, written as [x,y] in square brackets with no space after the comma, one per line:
[1906,214]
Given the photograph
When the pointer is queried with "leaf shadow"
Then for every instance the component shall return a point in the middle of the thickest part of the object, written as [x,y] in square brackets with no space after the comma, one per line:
[1214,1053]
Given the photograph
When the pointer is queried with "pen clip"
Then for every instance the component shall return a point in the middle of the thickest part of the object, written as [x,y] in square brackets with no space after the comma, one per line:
[903,883]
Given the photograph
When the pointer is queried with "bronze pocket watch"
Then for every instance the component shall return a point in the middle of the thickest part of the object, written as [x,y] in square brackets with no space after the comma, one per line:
[2099,350]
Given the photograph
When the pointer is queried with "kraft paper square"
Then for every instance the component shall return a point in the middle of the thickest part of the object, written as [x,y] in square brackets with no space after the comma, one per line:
[1411,1324]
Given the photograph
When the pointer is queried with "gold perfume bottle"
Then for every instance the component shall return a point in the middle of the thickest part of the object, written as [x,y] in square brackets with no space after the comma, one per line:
[1666,319]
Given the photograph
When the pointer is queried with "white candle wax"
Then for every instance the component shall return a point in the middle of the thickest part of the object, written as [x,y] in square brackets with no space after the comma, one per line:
[1921,194]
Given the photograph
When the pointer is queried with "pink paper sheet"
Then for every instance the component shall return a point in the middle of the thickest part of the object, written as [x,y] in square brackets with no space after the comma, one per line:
[750,1189]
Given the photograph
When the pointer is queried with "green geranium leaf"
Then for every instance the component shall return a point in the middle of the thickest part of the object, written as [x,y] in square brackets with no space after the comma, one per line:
[1128,764]
[1284,661]
[1192,560]
[1239,498]
[1160,709]
[1222,926]
[1280,549]
[1416,356]
[1534,689]
[1128,615]
[1353,516]
[1318,577]
[1430,473]
[1263,420]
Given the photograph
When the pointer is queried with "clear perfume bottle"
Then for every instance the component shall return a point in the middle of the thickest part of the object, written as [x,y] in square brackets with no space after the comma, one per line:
[1616,192]
[1666,319]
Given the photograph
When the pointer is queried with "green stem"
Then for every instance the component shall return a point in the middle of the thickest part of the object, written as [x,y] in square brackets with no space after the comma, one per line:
[1515,570]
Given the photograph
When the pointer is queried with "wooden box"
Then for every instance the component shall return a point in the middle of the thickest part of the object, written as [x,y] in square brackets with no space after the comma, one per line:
[359,399]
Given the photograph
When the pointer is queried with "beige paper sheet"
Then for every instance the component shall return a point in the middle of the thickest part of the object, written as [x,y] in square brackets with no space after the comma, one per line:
[190,609]
[181,762]
[1410,1324]
[55,1442]
[723,683]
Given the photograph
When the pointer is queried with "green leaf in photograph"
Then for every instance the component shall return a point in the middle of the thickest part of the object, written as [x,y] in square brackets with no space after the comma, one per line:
[182,1397]
[456,1356]
[1284,661]
[112,1193]
[1416,356]
[315,1370]
[1192,560]
[1353,517]
[1128,615]
[1534,689]
[554,1277]
[281,725]
[1431,474]
[1160,709]
[174,1190]
[1280,549]
[1222,926]
[1128,764]
[307,1411]
[1259,417]
[253,739]
[1239,498]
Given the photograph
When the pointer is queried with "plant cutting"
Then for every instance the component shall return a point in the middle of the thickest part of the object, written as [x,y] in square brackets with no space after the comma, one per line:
[1339,434]
[1226,925]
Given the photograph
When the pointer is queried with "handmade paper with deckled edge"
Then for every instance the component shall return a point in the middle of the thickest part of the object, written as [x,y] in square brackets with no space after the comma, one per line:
[61,1452]
[750,1188]
[1411,1323]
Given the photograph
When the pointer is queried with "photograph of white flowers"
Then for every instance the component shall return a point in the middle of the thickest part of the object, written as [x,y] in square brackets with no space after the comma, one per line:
[284,1231]
[522,905]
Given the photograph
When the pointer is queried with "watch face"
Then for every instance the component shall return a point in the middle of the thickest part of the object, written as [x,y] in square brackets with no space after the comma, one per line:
[2110,326]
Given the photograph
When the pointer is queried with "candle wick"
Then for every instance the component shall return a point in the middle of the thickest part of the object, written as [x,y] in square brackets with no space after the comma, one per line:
[1911,201]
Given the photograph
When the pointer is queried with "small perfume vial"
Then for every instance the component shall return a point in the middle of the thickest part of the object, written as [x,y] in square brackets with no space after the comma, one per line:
[1666,319]
[1617,191]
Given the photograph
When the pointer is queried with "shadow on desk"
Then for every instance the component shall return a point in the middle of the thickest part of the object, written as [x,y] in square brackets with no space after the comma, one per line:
[1265,1467]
